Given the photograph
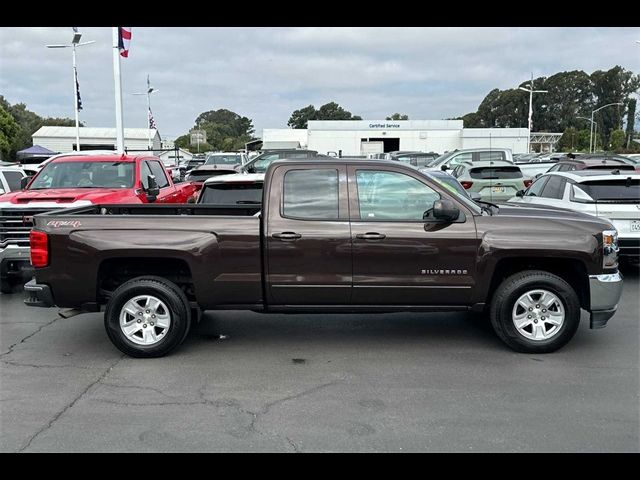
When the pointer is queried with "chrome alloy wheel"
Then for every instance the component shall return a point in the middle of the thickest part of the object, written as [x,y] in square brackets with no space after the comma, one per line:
[538,315]
[145,320]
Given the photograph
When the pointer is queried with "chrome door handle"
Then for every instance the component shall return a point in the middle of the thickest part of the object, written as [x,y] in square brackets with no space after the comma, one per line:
[371,236]
[287,236]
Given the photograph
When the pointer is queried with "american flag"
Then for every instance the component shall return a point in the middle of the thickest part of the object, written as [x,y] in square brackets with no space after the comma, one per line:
[75,70]
[124,38]
[152,122]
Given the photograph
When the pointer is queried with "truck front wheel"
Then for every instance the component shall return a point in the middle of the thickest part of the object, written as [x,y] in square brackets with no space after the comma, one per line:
[535,312]
[147,317]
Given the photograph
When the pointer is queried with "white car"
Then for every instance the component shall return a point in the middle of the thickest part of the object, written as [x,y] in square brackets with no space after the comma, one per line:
[609,195]
[10,178]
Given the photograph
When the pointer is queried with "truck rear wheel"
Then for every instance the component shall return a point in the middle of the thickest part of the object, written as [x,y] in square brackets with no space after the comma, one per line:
[535,312]
[147,317]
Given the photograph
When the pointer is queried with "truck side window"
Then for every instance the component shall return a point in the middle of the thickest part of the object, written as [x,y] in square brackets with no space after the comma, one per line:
[145,171]
[311,194]
[158,171]
[458,159]
[13,179]
[392,196]
[491,156]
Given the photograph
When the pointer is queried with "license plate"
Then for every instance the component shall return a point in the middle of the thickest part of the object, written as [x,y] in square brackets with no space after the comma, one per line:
[635,225]
[497,189]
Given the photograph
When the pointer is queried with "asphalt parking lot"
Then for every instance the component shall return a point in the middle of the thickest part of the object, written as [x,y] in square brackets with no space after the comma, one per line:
[305,383]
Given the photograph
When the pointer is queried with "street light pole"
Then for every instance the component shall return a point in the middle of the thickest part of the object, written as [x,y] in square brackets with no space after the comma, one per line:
[75,42]
[591,143]
[148,93]
[531,92]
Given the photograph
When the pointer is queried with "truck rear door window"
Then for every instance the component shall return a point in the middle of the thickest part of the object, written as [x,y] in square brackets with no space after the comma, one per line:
[392,196]
[311,194]
[495,173]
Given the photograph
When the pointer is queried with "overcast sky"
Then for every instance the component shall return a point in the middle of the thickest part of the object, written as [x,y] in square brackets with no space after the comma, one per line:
[266,73]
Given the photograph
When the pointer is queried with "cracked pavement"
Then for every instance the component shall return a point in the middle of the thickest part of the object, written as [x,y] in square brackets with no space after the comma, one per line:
[309,383]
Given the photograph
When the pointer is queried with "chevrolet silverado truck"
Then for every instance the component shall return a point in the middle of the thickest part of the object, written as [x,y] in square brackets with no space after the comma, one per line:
[73,180]
[332,236]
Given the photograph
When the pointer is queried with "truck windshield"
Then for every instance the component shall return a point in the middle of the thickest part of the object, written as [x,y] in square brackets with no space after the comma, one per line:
[223,160]
[623,190]
[232,193]
[84,175]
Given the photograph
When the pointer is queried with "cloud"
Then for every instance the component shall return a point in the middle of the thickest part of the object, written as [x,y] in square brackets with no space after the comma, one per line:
[266,73]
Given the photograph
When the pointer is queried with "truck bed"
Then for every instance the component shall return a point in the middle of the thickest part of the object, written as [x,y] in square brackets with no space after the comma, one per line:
[162,209]
[218,247]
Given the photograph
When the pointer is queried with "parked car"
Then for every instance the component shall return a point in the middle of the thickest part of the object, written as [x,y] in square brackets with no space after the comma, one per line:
[260,163]
[74,180]
[591,162]
[495,181]
[216,164]
[196,161]
[11,177]
[398,241]
[452,159]
[415,159]
[614,197]
[240,192]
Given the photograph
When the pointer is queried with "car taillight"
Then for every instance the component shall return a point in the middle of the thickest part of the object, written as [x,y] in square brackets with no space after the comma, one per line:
[527,183]
[39,243]
[466,185]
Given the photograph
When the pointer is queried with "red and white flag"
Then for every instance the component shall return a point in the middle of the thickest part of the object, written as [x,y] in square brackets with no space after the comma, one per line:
[124,38]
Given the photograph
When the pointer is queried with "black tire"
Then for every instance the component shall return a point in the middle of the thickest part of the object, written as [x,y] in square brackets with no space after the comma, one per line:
[515,286]
[163,289]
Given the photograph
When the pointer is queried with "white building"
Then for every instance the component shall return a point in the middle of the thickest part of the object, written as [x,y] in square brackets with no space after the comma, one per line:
[63,139]
[170,158]
[360,137]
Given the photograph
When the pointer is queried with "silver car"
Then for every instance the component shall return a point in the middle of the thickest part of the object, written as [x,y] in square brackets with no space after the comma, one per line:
[495,181]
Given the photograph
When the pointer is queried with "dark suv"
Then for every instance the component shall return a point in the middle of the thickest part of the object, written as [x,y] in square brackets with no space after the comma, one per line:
[590,162]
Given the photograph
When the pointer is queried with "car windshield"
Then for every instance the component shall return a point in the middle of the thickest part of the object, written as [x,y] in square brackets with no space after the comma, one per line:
[90,174]
[231,159]
[624,189]
[232,193]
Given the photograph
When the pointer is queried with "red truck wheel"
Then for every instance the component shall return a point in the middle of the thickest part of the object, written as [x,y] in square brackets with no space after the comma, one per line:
[535,312]
[147,317]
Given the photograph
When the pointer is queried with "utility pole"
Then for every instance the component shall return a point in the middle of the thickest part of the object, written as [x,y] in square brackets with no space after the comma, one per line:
[531,92]
[75,42]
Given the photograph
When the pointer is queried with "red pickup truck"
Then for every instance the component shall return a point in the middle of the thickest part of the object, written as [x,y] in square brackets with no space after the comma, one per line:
[76,180]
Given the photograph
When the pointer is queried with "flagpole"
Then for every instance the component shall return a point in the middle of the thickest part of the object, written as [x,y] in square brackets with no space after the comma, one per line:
[75,90]
[149,118]
[118,93]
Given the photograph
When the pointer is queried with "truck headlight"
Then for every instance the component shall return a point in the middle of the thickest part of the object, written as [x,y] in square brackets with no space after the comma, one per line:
[609,248]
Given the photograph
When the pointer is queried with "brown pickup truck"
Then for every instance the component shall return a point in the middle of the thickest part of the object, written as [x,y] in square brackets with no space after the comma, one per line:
[330,236]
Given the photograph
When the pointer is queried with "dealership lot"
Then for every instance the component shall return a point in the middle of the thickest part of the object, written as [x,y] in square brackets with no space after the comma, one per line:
[249,382]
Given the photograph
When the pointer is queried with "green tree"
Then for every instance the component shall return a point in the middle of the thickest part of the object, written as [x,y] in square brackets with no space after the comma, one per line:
[333,111]
[631,120]
[617,140]
[9,130]
[398,116]
[300,118]
[226,130]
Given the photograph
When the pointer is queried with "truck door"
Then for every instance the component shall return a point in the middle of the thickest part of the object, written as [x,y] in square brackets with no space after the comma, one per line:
[168,193]
[398,257]
[308,237]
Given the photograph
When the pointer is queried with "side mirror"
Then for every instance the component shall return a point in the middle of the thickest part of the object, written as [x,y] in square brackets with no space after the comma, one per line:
[24,181]
[520,193]
[153,190]
[445,210]
[444,168]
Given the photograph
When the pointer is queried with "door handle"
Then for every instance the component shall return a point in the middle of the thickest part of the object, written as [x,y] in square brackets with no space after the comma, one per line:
[371,236]
[287,236]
